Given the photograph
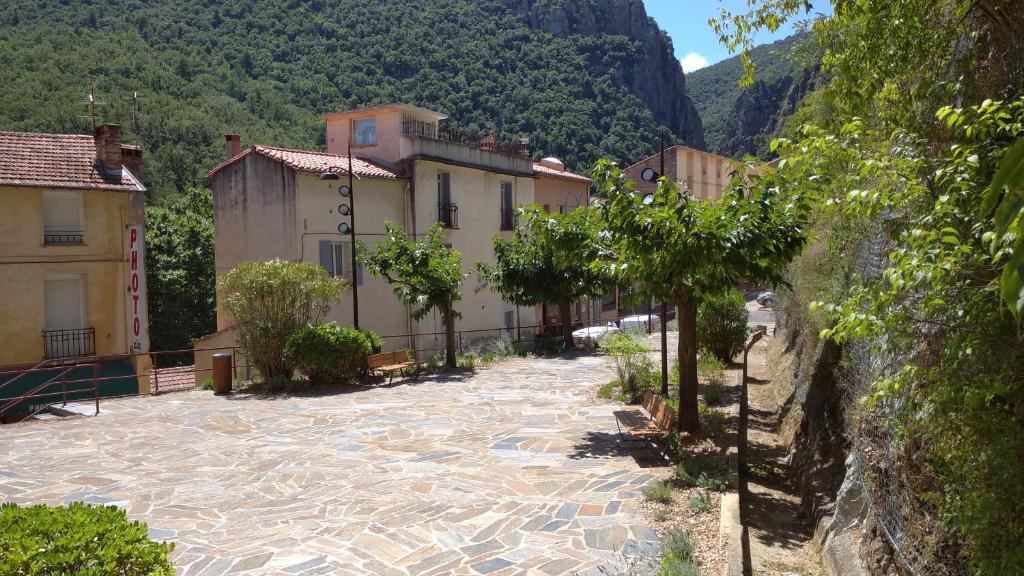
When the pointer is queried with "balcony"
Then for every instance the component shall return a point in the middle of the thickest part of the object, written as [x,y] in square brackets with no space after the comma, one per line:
[69,343]
[508,219]
[444,144]
[448,215]
[60,237]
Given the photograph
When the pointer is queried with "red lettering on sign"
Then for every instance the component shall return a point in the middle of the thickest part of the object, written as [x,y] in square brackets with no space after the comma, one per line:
[135,282]
[135,297]
[135,260]
[134,236]
[137,326]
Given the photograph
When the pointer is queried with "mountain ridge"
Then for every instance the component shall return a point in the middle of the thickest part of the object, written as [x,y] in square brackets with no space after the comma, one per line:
[743,120]
[581,78]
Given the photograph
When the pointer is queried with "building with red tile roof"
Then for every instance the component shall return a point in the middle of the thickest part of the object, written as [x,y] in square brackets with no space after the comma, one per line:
[72,251]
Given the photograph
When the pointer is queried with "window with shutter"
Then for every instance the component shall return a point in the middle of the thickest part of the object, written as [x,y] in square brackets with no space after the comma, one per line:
[343,263]
[62,218]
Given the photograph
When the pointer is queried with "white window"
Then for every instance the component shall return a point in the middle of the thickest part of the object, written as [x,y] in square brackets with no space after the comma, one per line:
[343,263]
[65,334]
[62,218]
[365,130]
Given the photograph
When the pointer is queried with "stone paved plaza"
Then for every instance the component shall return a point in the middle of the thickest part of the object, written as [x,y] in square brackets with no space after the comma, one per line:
[509,470]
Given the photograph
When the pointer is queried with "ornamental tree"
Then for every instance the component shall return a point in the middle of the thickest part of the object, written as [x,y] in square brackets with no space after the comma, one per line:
[424,274]
[549,260]
[682,249]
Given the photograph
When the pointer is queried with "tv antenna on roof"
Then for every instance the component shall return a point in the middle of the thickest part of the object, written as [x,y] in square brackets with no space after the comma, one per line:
[135,117]
[92,98]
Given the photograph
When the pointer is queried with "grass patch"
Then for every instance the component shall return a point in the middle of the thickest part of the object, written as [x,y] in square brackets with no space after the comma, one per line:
[611,391]
[677,558]
[660,492]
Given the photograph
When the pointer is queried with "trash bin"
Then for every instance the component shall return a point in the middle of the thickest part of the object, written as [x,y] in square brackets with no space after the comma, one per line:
[222,373]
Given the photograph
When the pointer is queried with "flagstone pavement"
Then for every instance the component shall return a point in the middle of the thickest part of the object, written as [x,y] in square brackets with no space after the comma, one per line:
[508,470]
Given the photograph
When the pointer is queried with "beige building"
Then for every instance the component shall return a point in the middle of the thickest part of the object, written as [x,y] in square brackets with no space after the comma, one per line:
[271,202]
[706,175]
[72,253]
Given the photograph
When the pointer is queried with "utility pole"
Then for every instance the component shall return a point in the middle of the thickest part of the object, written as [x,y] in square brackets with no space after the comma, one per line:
[352,236]
[664,307]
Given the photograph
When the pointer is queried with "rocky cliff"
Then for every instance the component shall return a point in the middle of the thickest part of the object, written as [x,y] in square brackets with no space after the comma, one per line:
[738,120]
[656,76]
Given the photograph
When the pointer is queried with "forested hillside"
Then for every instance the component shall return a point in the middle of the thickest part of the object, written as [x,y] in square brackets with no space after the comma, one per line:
[743,120]
[581,79]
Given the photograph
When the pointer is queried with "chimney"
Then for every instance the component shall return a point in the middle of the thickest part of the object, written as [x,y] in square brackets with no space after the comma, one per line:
[131,156]
[234,146]
[108,146]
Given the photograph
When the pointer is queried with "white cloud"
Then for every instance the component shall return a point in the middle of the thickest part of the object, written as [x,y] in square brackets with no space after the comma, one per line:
[693,61]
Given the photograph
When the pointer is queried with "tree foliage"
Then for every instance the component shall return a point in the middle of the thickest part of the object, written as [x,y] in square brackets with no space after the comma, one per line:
[683,249]
[426,275]
[270,301]
[180,272]
[268,69]
[939,186]
[548,259]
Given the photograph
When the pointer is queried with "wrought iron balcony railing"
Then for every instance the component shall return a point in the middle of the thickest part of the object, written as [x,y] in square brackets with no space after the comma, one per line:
[411,127]
[69,343]
[448,214]
[59,237]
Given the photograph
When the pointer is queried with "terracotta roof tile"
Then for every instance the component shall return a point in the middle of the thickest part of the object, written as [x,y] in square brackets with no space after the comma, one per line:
[316,162]
[546,171]
[56,161]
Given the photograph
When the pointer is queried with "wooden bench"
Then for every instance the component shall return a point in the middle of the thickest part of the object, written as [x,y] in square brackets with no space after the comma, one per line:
[656,419]
[391,362]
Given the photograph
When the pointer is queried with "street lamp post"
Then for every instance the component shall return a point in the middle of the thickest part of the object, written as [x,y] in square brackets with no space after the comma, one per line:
[649,175]
[348,228]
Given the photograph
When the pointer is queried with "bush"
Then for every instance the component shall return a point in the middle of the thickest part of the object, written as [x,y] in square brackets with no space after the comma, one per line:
[712,371]
[634,368]
[677,555]
[270,301]
[722,324]
[79,539]
[331,353]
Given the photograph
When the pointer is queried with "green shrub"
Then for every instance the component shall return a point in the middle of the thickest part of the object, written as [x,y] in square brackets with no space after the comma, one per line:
[660,492]
[331,353]
[208,383]
[700,502]
[272,300]
[677,555]
[722,324]
[633,365]
[79,539]
[469,358]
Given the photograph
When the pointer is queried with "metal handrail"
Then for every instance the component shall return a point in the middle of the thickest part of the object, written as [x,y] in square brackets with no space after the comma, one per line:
[34,393]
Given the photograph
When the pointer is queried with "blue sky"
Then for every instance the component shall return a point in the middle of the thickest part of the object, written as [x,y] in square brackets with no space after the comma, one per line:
[686,21]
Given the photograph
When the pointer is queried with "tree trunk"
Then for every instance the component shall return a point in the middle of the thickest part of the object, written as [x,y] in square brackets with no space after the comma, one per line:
[686,312]
[565,311]
[449,336]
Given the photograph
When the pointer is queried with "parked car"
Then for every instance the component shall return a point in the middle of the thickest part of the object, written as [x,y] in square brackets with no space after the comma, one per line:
[592,334]
[766,299]
[640,322]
